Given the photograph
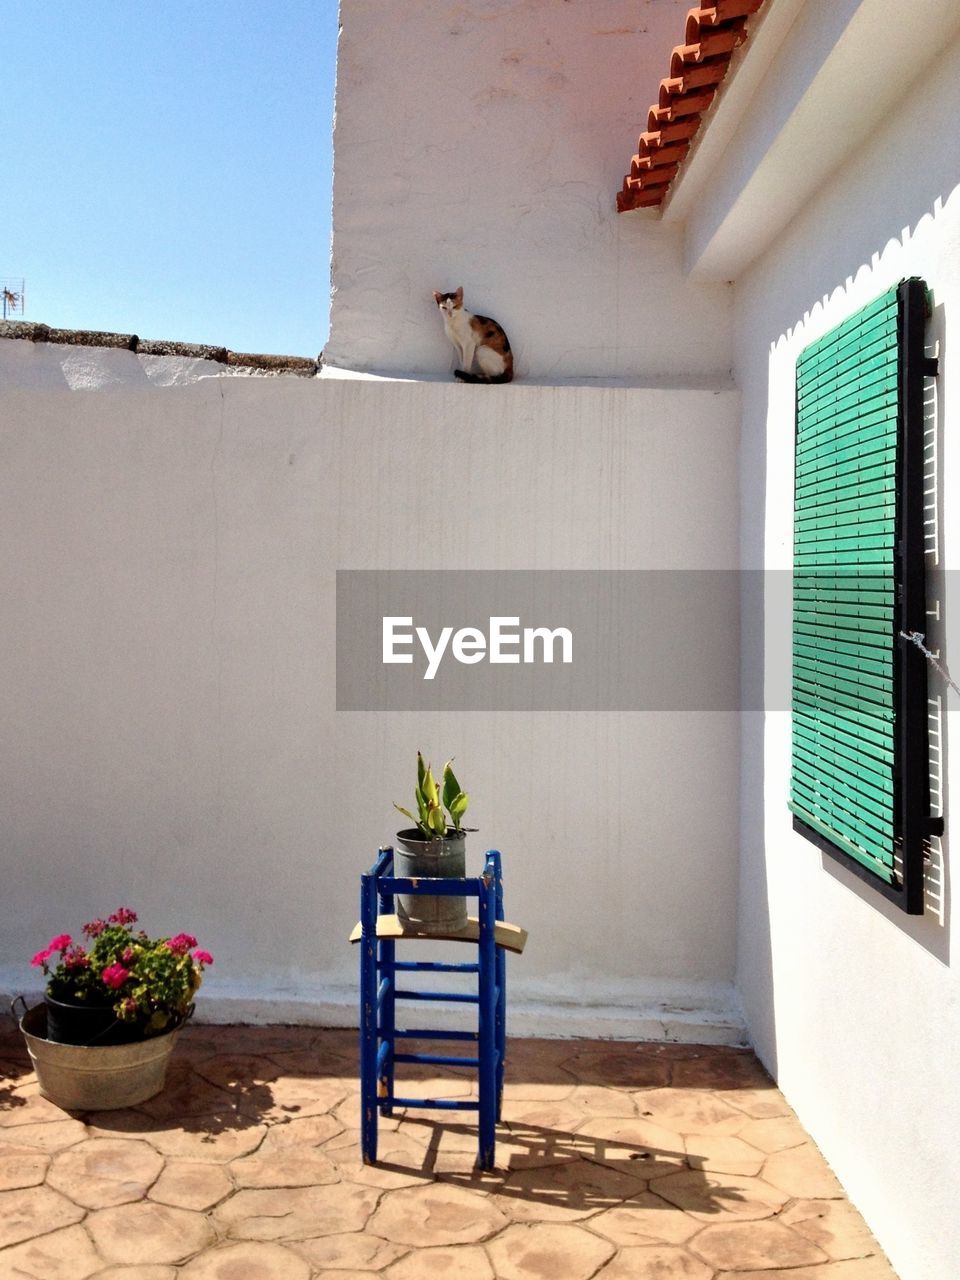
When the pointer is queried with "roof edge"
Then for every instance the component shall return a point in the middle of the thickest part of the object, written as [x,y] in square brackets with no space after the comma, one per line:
[750,65]
[32,331]
[818,85]
[714,31]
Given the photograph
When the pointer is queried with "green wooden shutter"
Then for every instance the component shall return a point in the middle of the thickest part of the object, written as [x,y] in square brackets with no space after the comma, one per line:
[849,565]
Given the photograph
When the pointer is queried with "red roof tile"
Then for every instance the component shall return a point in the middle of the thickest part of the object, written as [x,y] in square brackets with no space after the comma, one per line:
[697,67]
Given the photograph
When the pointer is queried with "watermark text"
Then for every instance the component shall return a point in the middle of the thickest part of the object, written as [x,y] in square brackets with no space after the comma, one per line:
[503,642]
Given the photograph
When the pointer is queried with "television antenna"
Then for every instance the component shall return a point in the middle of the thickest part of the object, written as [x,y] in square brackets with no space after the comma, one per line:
[13,292]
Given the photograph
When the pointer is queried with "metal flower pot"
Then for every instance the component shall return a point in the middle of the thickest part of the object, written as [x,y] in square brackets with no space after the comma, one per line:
[102,1078]
[416,858]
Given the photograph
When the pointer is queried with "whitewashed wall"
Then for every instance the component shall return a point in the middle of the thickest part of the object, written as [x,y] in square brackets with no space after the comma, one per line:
[54,366]
[168,731]
[482,144]
[854,1006]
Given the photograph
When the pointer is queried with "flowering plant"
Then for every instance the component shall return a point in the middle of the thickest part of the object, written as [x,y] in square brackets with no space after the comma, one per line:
[149,982]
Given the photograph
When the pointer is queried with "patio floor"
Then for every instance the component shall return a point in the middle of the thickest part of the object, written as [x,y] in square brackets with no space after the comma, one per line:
[618,1161]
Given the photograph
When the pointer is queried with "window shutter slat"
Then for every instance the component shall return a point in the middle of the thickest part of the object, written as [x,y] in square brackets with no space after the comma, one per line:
[859,789]
[843,631]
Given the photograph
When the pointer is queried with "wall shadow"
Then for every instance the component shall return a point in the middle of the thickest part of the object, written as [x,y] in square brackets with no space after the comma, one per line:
[871,224]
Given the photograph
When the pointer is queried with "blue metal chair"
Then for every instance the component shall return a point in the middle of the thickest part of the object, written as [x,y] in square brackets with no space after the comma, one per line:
[378,933]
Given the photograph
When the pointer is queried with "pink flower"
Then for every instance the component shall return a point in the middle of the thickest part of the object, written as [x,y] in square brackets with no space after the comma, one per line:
[182,943]
[76,958]
[123,915]
[59,943]
[203,957]
[114,976]
[129,956]
[94,928]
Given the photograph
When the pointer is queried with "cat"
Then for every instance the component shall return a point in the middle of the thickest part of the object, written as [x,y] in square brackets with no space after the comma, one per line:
[478,339]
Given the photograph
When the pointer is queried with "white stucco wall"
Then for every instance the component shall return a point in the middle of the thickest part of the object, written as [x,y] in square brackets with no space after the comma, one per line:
[168,731]
[853,1005]
[54,366]
[483,144]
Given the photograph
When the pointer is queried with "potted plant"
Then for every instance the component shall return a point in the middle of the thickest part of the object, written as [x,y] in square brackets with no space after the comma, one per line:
[112,1009]
[433,847]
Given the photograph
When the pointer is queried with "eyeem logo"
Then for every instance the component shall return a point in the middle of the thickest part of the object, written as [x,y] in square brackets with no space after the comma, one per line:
[470,645]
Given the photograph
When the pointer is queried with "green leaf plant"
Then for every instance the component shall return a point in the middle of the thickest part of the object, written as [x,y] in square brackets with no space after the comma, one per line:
[431,800]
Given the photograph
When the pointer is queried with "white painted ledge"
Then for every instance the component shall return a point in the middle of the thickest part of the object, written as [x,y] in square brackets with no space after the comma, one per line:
[54,366]
[684,1013]
[44,366]
[688,382]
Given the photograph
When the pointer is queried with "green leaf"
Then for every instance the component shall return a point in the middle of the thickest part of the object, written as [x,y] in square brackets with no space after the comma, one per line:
[420,824]
[429,788]
[421,770]
[451,787]
[458,807]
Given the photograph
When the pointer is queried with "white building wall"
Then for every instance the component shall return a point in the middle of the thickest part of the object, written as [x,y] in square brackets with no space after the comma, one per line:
[854,1006]
[53,366]
[482,144]
[169,737]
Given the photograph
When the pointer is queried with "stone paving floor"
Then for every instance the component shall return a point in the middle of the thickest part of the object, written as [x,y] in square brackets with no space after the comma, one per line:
[615,1162]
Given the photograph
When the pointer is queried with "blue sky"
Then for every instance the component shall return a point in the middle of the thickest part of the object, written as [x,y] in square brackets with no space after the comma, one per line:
[167,167]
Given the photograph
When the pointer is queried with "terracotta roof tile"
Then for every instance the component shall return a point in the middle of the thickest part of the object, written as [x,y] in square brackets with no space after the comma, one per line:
[711,34]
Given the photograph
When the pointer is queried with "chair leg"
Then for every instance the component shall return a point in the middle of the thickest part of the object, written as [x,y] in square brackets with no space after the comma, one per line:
[501,1029]
[487,1029]
[501,971]
[368,1019]
[388,1019]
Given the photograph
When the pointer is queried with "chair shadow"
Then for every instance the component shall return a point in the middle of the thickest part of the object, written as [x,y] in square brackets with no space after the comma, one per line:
[577,1171]
[236,1079]
[574,1173]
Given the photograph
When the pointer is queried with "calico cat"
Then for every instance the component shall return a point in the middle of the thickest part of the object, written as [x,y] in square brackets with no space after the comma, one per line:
[478,339]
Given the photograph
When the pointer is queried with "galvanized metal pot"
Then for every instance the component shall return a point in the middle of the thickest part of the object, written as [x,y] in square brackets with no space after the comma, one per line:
[416,858]
[96,1078]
